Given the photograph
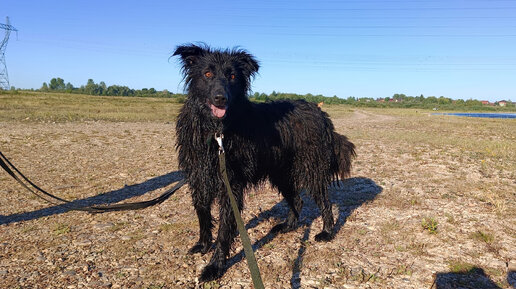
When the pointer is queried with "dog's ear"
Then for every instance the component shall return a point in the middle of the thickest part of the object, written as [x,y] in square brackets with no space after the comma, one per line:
[189,54]
[249,64]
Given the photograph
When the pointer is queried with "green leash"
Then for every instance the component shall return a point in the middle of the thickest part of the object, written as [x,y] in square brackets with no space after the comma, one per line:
[248,249]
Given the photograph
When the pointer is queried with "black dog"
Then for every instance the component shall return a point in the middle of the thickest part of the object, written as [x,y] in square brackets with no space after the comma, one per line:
[292,144]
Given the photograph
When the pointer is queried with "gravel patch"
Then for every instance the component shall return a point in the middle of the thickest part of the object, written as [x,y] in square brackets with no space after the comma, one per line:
[380,240]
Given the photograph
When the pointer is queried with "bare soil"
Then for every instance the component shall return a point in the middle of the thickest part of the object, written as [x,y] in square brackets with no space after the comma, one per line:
[431,204]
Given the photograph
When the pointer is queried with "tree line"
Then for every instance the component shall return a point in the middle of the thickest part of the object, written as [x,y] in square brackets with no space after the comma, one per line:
[101,89]
[397,100]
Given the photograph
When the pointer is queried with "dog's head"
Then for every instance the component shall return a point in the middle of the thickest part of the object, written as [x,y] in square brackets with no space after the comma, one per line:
[217,78]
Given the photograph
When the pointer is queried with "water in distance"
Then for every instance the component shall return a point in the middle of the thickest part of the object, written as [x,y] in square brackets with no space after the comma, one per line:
[487,115]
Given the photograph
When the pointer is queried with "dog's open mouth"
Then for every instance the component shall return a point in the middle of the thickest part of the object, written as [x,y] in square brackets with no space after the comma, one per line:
[218,111]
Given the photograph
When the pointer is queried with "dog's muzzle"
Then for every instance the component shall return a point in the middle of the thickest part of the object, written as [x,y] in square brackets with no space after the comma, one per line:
[218,105]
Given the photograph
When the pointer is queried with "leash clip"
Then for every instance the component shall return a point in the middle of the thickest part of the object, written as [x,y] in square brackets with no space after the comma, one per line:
[219,137]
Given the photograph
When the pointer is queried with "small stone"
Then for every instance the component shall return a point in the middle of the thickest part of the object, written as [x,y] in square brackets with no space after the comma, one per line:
[69,273]
[84,242]
[103,226]
[96,284]
[511,265]
[200,267]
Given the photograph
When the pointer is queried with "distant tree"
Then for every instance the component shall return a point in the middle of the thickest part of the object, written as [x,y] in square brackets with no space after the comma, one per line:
[90,87]
[473,102]
[166,93]
[443,100]
[431,99]
[112,90]
[44,87]
[124,91]
[399,97]
[57,84]
[102,88]
[69,87]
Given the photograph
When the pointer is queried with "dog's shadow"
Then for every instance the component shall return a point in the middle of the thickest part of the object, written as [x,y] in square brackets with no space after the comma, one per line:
[472,278]
[346,196]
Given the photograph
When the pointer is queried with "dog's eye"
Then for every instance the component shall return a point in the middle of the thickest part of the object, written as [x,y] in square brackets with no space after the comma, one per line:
[232,76]
[208,74]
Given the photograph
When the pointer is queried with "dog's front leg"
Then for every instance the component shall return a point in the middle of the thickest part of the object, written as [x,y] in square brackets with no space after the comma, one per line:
[202,204]
[226,235]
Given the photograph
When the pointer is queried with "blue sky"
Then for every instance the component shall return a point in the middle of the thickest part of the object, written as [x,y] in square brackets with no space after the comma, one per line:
[361,48]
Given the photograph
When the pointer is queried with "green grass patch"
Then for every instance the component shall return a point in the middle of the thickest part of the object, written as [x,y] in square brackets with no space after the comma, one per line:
[61,229]
[483,237]
[461,267]
[118,226]
[211,285]
[429,224]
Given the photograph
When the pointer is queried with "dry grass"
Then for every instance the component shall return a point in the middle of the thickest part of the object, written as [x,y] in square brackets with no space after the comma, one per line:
[63,107]
[430,195]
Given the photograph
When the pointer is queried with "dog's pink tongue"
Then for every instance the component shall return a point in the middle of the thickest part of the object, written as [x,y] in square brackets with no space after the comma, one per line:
[217,111]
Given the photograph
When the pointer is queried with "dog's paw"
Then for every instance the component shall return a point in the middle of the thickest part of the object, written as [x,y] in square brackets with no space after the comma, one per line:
[211,272]
[282,228]
[200,248]
[323,237]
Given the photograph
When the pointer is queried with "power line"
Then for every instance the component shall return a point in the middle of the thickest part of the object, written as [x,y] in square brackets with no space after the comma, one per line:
[421,35]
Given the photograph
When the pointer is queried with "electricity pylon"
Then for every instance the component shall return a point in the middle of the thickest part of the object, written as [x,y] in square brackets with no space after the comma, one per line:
[4,78]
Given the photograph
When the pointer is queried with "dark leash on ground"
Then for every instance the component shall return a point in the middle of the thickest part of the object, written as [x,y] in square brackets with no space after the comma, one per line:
[55,200]
[248,249]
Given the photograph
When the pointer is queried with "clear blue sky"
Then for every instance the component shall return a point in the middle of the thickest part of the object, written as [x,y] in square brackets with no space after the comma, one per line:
[362,48]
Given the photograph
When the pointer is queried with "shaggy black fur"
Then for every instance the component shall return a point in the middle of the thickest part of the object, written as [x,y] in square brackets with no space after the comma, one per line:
[292,144]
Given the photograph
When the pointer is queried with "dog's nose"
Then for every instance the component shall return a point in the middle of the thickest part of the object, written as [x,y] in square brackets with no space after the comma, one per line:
[219,100]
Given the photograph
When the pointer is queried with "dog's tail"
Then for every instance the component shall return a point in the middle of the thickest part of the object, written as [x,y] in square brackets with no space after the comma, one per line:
[345,152]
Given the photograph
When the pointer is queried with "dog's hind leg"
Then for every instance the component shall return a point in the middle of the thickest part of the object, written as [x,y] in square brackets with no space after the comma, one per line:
[202,207]
[321,199]
[295,203]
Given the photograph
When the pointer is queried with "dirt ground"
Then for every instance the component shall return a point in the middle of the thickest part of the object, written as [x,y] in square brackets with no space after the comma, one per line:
[431,204]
